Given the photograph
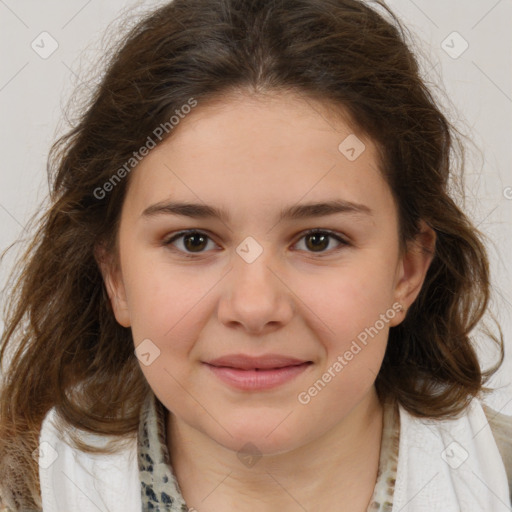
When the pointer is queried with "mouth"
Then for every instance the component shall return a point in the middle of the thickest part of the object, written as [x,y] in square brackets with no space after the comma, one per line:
[246,374]
[259,363]
[258,369]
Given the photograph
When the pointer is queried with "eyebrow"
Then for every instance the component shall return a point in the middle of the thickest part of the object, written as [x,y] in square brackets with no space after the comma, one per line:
[296,212]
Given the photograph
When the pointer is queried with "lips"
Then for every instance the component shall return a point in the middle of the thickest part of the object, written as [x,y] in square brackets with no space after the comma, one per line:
[245,362]
[257,374]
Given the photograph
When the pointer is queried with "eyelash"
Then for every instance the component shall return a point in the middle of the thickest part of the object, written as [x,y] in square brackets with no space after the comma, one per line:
[343,242]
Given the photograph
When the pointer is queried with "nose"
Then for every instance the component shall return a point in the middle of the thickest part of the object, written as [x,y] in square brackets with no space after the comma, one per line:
[255,296]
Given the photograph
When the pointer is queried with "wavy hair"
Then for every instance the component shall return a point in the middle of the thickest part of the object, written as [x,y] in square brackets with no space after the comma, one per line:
[62,346]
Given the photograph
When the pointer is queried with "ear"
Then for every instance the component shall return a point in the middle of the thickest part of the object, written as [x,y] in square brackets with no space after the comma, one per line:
[112,277]
[412,268]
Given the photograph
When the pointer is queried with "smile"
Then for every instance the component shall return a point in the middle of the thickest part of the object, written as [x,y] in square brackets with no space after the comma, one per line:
[257,379]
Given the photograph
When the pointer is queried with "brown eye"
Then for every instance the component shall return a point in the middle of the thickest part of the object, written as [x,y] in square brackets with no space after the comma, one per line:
[319,241]
[194,242]
[191,241]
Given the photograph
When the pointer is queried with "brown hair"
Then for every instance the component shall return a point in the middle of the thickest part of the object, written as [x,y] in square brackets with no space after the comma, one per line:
[68,351]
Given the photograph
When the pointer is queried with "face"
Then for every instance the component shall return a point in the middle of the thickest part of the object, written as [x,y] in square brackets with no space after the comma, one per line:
[257,282]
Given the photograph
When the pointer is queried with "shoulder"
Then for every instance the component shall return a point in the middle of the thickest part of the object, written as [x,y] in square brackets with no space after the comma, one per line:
[103,477]
[459,455]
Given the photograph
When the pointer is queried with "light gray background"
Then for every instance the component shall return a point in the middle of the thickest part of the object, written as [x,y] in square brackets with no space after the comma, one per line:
[474,88]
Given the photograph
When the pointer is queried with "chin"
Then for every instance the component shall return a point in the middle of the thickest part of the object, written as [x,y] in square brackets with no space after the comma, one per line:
[264,436]
[258,446]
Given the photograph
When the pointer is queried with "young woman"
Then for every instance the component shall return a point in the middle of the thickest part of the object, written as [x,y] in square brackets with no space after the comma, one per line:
[253,290]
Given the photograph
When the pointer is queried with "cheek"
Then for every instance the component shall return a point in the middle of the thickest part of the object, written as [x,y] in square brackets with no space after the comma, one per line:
[166,308]
[352,315]
[164,302]
[347,300]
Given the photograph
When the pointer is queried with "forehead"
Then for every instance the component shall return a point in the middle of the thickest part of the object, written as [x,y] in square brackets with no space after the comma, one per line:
[259,153]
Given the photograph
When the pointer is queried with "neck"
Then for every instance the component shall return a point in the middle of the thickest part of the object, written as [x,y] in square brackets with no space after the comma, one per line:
[334,472]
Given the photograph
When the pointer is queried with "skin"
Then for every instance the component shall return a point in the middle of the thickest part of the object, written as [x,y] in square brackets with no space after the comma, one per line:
[253,156]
